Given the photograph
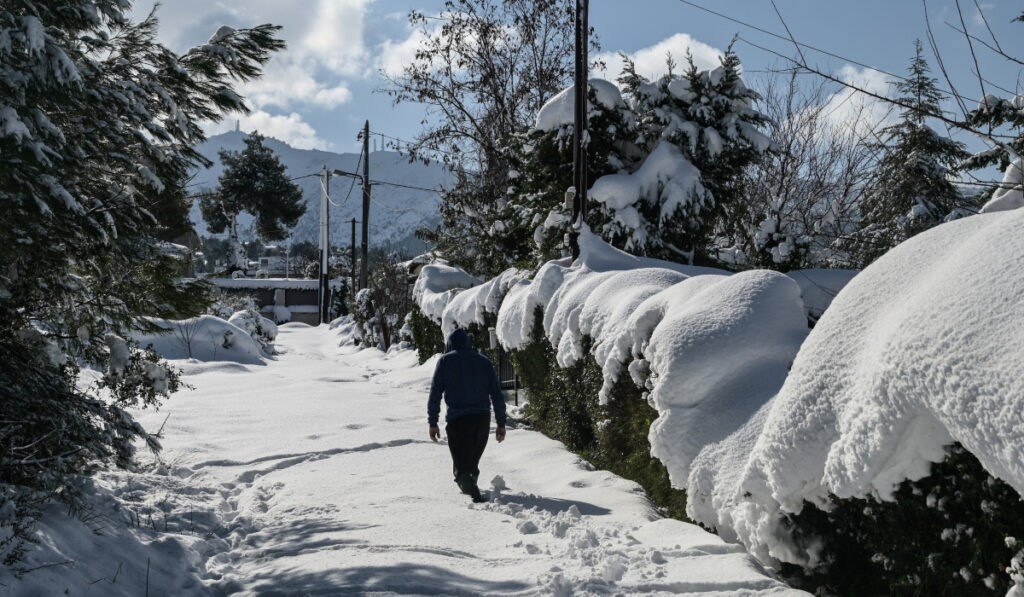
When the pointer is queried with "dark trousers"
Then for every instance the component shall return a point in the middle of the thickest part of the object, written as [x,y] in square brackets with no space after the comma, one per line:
[467,438]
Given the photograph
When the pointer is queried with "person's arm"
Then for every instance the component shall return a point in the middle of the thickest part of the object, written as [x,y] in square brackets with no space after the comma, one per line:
[434,400]
[498,401]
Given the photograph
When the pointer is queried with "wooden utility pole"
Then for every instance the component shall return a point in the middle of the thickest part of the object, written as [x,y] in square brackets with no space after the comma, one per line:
[579,148]
[366,203]
[325,241]
[355,280]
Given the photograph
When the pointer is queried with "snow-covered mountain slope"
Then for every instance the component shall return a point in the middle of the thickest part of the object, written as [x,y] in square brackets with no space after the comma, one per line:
[395,212]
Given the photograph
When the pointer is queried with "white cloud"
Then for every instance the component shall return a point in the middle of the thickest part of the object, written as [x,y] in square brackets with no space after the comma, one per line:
[291,129]
[285,82]
[850,108]
[325,44]
[334,37]
[977,17]
[651,61]
[392,56]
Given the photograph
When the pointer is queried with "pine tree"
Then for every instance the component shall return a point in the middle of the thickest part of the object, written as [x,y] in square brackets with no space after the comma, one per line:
[98,124]
[1003,119]
[913,191]
[536,219]
[698,131]
[253,182]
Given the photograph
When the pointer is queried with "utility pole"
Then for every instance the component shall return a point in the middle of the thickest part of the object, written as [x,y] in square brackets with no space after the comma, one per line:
[579,147]
[325,290]
[355,284]
[366,203]
[325,287]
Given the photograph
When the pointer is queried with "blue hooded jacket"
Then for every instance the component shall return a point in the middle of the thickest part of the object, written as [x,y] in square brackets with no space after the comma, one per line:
[468,382]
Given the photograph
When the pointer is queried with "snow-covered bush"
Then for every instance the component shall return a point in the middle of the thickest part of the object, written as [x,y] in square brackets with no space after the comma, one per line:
[261,329]
[563,404]
[209,338]
[226,304]
[243,311]
[943,534]
[435,287]
[918,355]
[381,310]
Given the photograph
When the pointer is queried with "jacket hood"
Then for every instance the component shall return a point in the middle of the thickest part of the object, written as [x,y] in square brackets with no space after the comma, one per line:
[458,340]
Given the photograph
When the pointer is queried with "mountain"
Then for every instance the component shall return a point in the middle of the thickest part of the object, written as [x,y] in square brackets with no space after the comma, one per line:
[395,212]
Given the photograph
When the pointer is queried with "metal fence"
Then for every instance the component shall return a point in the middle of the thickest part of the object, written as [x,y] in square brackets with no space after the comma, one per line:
[507,374]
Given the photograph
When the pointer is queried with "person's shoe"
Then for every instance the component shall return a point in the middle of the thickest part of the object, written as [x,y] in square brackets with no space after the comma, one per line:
[475,494]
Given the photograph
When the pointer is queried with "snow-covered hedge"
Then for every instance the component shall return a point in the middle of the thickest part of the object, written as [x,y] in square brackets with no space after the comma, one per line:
[436,285]
[917,356]
[921,350]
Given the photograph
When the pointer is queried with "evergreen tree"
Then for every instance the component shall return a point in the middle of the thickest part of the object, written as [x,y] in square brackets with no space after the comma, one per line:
[913,191]
[1003,119]
[536,219]
[698,131]
[98,124]
[253,182]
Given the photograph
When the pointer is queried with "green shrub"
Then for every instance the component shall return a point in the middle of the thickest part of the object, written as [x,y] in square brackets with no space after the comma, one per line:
[623,446]
[945,534]
[563,405]
[426,334]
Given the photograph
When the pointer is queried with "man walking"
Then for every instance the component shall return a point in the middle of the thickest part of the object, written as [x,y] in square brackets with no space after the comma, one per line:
[470,386]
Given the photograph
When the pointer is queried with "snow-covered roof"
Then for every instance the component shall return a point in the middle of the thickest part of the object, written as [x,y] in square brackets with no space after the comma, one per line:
[271,283]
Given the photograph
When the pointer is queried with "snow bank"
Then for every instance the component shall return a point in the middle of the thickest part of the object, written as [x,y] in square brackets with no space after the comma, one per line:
[205,338]
[559,110]
[1010,194]
[106,555]
[923,348]
[436,285]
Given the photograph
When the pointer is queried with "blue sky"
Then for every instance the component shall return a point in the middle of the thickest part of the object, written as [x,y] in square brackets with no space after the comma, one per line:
[319,91]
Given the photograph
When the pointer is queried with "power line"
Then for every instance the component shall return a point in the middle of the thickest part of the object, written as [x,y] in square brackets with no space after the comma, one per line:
[409,144]
[405,186]
[800,44]
[351,186]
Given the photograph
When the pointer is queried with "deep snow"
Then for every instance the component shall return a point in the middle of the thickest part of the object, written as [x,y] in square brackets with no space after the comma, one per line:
[313,474]
[923,348]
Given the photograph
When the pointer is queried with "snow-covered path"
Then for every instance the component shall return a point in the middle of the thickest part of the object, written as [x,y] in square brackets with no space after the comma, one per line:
[314,475]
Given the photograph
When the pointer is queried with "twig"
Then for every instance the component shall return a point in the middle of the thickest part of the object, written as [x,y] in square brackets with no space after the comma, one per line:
[970,45]
[50,565]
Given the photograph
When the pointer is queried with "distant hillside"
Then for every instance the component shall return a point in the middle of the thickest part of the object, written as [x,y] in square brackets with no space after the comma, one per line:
[395,212]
